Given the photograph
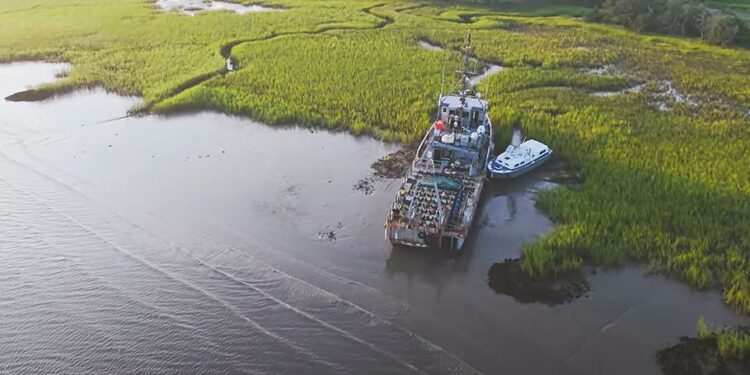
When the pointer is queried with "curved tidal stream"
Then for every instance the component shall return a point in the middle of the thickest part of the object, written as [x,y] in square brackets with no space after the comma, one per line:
[191,244]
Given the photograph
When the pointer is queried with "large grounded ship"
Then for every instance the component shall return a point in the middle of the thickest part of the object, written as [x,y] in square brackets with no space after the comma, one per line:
[437,201]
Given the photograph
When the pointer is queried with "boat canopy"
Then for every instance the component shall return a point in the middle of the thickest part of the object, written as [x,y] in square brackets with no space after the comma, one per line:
[515,157]
[534,146]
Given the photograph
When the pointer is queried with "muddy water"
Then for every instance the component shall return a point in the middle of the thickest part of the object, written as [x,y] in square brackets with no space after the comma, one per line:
[192,243]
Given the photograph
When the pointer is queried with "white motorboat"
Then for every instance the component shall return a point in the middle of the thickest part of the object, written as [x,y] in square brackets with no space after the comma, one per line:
[519,158]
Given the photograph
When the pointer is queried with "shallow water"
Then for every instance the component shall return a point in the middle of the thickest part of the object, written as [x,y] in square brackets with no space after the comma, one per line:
[627,90]
[190,243]
[192,7]
[429,46]
[489,69]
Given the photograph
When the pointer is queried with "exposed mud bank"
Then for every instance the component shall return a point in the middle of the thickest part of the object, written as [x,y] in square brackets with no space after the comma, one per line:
[32,95]
[392,166]
[699,356]
[41,93]
[510,279]
[397,164]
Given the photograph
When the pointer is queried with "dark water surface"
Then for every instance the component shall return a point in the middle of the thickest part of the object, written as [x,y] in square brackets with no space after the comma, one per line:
[192,244]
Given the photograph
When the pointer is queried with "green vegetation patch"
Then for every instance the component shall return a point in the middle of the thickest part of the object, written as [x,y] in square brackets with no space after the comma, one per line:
[383,84]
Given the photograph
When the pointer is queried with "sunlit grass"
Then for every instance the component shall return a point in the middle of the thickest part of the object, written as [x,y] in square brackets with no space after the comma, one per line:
[731,343]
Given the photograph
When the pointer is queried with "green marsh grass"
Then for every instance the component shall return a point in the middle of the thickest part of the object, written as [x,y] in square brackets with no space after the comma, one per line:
[731,343]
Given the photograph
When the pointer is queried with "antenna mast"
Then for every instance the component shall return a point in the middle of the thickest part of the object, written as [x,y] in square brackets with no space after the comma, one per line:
[464,72]
[442,81]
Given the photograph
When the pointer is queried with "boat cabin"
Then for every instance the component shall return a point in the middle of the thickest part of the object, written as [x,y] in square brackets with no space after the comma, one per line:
[456,139]
[520,159]
[527,152]
[468,112]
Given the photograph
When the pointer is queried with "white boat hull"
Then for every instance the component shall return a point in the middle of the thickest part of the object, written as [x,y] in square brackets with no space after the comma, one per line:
[503,172]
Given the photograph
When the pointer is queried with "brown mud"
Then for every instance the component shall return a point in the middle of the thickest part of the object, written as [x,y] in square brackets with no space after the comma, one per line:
[397,164]
[510,279]
[33,95]
[365,185]
[698,356]
[392,166]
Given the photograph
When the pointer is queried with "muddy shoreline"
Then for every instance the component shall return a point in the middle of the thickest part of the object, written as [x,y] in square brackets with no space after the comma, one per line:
[32,95]
[700,356]
[510,279]
[397,164]
[393,166]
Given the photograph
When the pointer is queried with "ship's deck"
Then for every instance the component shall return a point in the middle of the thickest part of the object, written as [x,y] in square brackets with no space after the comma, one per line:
[418,202]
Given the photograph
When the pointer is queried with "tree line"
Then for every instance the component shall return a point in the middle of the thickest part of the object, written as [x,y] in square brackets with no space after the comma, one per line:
[691,18]
[687,18]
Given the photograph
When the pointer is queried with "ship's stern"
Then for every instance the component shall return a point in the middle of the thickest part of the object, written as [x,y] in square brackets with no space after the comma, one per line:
[400,235]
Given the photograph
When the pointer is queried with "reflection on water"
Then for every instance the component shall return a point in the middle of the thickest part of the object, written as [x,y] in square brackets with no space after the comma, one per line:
[419,266]
[190,244]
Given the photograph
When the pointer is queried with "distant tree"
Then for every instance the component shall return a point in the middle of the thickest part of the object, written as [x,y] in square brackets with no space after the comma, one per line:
[693,17]
[676,17]
[722,29]
[638,15]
